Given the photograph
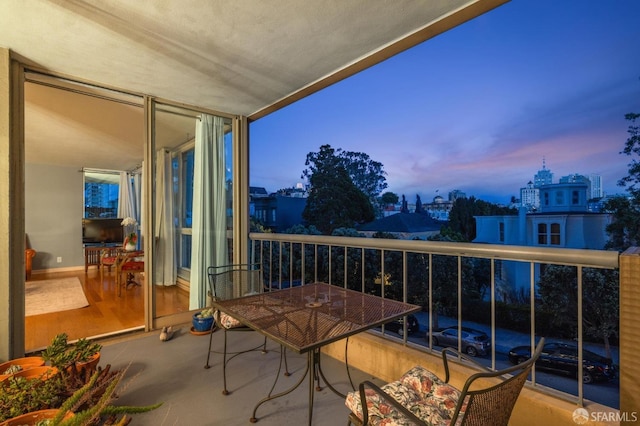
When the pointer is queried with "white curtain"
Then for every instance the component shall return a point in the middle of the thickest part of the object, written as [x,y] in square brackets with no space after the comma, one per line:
[165,265]
[126,197]
[137,196]
[209,226]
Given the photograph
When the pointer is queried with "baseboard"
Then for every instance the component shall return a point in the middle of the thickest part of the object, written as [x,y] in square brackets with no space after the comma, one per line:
[54,270]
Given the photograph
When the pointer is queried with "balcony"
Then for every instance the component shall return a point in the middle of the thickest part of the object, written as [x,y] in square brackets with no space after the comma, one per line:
[364,264]
[192,395]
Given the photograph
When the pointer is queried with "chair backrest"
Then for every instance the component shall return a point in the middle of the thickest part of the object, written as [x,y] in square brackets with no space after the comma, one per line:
[232,281]
[493,405]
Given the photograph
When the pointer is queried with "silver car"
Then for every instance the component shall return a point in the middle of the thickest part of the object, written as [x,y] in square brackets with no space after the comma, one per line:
[474,342]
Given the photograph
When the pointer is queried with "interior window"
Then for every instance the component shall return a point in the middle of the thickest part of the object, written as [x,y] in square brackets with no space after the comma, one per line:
[101,194]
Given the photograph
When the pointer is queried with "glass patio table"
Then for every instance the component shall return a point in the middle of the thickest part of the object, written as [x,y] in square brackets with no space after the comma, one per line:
[308,317]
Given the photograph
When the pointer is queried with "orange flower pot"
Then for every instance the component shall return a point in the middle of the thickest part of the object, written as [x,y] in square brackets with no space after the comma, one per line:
[90,365]
[25,363]
[42,373]
[30,419]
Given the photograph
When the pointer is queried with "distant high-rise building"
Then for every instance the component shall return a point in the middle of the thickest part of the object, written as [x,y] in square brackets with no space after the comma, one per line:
[530,197]
[543,177]
[596,186]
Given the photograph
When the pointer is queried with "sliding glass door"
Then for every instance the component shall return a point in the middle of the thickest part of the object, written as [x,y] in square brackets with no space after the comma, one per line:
[192,214]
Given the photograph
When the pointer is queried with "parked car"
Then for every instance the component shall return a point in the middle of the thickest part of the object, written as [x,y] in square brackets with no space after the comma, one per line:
[562,358]
[474,342]
[397,326]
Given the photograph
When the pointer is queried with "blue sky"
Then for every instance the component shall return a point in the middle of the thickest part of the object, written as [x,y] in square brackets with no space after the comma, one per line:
[479,107]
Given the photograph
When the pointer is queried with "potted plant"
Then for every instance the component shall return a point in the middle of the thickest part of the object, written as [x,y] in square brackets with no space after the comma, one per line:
[131,237]
[203,321]
[65,401]
[19,364]
[20,395]
[85,354]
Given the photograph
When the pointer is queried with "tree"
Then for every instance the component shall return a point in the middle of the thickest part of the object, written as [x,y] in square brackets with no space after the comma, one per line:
[624,231]
[461,217]
[334,201]
[558,289]
[389,198]
[366,174]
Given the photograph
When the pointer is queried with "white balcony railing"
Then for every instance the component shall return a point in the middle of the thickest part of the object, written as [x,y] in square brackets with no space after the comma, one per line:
[490,287]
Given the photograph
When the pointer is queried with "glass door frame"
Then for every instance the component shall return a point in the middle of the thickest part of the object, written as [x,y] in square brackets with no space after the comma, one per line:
[240,201]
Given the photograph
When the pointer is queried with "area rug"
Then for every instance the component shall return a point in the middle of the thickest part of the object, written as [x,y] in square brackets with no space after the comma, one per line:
[43,297]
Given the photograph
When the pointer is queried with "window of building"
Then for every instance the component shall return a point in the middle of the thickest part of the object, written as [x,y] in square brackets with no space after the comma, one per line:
[575,197]
[555,234]
[559,198]
[546,198]
[542,234]
[501,237]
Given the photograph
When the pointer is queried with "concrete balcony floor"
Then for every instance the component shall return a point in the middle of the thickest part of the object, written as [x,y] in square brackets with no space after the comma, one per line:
[173,372]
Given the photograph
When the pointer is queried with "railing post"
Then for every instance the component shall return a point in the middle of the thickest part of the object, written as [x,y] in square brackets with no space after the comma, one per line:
[629,331]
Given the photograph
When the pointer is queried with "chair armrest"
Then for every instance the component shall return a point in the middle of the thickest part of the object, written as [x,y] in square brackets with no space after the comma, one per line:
[392,401]
[462,356]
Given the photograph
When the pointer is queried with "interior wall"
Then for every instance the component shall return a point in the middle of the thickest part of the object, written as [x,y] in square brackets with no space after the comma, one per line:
[53,215]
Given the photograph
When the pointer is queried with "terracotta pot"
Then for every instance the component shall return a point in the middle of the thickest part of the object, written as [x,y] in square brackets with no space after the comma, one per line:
[42,373]
[90,365]
[25,363]
[30,419]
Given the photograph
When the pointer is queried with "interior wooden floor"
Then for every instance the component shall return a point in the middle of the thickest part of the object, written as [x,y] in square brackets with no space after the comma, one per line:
[107,312]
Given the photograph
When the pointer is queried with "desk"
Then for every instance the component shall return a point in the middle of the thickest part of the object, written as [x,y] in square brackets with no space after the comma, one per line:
[305,318]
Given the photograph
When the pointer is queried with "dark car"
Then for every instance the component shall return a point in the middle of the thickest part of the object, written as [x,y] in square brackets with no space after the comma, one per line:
[397,326]
[474,342]
[562,358]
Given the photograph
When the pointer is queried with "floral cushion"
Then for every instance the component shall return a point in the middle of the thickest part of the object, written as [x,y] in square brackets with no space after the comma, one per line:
[227,321]
[419,390]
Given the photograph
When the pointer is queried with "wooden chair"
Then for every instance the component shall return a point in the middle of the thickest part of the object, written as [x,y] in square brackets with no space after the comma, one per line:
[227,282]
[421,398]
[127,263]
[108,257]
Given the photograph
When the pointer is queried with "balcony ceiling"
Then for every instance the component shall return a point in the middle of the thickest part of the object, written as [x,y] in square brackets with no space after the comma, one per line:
[241,57]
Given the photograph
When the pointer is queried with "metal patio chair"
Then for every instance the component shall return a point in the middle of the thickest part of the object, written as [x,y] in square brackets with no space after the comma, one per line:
[227,282]
[421,398]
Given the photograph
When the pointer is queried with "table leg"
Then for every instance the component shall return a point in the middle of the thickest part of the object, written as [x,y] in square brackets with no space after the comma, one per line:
[314,370]
[311,362]
[269,396]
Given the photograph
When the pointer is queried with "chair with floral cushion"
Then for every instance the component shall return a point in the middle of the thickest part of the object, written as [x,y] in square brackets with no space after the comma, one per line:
[227,282]
[421,398]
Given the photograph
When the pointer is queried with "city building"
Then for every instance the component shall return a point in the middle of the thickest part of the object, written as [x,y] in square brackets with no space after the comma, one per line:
[543,177]
[279,211]
[530,197]
[562,221]
[577,178]
[596,186]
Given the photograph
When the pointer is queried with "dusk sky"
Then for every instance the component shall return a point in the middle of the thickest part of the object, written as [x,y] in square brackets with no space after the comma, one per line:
[478,107]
